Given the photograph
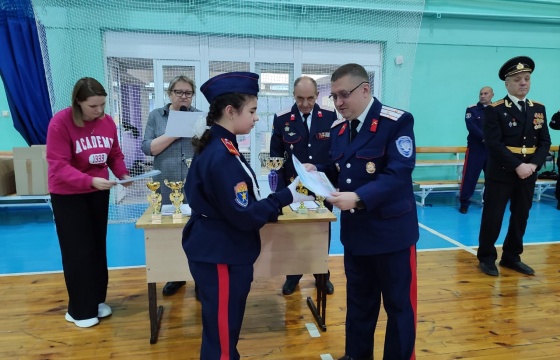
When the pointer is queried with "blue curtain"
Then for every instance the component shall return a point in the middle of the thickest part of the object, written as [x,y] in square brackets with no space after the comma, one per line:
[22,71]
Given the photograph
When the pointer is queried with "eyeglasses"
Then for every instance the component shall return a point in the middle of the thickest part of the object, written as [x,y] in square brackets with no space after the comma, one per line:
[180,93]
[346,94]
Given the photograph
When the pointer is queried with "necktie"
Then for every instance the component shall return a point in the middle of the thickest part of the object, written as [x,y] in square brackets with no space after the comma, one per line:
[305,117]
[354,129]
[522,105]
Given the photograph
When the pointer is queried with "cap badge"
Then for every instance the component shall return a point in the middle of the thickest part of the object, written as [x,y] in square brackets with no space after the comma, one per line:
[520,66]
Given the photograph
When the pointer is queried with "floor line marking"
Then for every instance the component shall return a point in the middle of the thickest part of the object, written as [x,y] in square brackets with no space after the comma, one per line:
[447,238]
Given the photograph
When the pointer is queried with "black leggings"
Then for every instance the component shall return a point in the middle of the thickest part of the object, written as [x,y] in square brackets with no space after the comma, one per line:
[81,226]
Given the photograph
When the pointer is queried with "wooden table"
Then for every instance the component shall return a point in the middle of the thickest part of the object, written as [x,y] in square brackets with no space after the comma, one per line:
[296,244]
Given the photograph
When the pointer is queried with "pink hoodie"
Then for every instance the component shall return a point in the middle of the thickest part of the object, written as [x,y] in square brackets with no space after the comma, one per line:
[78,154]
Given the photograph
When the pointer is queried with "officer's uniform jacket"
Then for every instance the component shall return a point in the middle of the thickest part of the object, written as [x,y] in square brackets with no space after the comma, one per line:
[377,166]
[289,137]
[504,126]
[226,216]
[474,118]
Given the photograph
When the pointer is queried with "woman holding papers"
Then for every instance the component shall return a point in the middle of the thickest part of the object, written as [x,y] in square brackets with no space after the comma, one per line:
[221,239]
[82,145]
[168,152]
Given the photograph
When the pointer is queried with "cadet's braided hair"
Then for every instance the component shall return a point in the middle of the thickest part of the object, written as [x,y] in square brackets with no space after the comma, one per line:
[236,100]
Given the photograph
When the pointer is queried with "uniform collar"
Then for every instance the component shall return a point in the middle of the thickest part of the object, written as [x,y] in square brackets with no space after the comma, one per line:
[363,115]
[221,132]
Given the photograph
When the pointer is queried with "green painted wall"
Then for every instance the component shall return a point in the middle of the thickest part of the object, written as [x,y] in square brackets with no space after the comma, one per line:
[461,45]
[9,137]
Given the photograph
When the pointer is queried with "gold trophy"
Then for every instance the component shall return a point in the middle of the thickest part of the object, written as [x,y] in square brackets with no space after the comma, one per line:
[154,199]
[176,198]
[302,190]
[321,209]
[273,164]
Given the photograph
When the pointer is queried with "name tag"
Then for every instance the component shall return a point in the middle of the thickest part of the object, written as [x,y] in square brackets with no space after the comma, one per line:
[97,159]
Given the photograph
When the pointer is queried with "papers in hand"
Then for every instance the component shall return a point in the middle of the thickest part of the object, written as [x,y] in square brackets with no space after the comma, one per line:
[170,209]
[315,181]
[138,177]
[181,123]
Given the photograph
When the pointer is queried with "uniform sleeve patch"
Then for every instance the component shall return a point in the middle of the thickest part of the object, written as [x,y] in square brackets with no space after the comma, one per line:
[468,115]
[404,146]
[241,194]
[391,113]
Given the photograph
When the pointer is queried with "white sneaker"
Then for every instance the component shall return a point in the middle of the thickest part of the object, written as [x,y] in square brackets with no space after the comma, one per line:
[103,310]
[82,323]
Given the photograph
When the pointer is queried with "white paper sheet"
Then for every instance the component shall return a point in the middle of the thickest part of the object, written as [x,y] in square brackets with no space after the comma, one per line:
[138,177]
[315,181]
[181,123]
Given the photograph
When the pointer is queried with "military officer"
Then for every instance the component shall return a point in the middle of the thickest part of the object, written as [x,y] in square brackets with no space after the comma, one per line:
[302,130]
[221,238]
[517,138]
[372,159]
[475,158]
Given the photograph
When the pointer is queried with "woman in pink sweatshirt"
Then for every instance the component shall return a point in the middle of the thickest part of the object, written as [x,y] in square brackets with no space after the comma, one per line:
[82,146]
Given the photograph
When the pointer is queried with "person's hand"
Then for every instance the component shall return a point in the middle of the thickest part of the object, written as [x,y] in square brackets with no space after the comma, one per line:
[126,183]
[309,167]
[525,170]
[102,184]
[343,200]
[296,196]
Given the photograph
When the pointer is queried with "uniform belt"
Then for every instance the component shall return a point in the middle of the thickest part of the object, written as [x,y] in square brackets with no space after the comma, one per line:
[522,150]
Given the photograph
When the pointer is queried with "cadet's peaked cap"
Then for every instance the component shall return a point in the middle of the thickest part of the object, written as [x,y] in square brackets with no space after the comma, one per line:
[231,82]
[516,65]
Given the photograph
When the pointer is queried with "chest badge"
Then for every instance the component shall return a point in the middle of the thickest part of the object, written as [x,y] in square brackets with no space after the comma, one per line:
[370,167]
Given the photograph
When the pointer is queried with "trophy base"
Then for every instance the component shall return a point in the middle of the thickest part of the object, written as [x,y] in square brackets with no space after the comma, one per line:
[321,210]
[177,218]
[302,211]
[156,218]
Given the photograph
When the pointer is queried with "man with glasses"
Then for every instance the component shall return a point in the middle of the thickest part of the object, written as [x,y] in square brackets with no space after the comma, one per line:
[372,158]
[302,130]
[168,152]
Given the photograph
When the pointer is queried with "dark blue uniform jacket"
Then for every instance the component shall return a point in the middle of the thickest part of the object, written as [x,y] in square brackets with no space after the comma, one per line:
[474,118]
[289,137]
[226,217]
[378,166]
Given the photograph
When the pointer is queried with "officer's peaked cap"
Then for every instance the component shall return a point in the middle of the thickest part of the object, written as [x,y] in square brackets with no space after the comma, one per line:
[231,82]
[516,65]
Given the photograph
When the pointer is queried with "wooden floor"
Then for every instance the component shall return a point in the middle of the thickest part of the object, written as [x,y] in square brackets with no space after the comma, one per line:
[462,314]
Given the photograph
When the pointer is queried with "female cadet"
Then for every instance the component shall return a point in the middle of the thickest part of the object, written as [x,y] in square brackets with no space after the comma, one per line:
[221,239]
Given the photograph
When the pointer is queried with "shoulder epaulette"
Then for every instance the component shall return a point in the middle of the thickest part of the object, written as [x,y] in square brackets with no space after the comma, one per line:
[391,113]
[499,102]
[325,107]
[229,145]
[285,111]
[338,122]
[536,102]
[471,106]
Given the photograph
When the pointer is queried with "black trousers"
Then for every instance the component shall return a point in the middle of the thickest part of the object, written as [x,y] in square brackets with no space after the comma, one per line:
[519,193]
[81,226]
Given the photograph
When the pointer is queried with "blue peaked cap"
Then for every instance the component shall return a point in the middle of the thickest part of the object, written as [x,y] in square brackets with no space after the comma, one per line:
[232,82]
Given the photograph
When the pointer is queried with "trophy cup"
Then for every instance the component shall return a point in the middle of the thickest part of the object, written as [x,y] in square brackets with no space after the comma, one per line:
[273,164]
[300,189]
[176,198]
[321,209]
[154,199]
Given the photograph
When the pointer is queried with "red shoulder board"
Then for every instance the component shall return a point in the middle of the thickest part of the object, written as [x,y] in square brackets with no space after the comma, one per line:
[229,145]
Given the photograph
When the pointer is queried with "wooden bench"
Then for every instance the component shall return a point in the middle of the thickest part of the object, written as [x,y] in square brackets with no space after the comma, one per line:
[425,187]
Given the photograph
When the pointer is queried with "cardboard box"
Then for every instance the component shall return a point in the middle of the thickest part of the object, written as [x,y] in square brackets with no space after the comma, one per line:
[30,167]
[7,176]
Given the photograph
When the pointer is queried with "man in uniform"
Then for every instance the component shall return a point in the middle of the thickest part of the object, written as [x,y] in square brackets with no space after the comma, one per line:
[475,158]
[302,130]
[518,141]
[372,159]
[555,124]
